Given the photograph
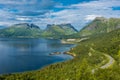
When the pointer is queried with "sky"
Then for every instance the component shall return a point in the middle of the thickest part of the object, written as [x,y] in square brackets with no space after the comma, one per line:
[43,12]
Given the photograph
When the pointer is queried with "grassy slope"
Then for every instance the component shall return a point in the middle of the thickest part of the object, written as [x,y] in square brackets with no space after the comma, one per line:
[81,66]
[20,32]
[100,25]
[56,31]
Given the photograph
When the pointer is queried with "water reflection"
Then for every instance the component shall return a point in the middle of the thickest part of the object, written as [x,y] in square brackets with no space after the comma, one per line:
[17,55]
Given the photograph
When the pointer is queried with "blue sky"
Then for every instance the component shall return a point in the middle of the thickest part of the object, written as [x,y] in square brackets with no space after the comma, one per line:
[43,12]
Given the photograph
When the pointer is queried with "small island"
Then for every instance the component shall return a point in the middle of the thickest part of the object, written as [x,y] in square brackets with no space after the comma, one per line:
[55,53]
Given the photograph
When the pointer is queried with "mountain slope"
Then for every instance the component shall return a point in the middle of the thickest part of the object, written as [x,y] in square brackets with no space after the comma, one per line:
[58,31]
[100,25]
[23,30]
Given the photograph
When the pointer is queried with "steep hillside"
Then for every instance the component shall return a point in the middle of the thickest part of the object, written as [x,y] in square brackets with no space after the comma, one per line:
[58,31]
[100,25]
[23,30]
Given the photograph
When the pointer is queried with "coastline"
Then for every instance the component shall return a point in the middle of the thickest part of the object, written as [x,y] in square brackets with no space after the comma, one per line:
[64,59]
[43,67]
[69,53]
[47,65]
[73,41]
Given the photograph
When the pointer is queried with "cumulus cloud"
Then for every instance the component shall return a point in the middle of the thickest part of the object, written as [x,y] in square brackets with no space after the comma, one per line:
[22,19]
[43,12]
[81,13]
[28,7]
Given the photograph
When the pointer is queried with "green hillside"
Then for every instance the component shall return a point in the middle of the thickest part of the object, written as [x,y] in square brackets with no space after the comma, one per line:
[59,31]
[23,30]
[97,58]
[100,25]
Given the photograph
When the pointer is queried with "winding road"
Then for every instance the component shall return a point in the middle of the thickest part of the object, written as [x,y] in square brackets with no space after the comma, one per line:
[111,61]
[108,64]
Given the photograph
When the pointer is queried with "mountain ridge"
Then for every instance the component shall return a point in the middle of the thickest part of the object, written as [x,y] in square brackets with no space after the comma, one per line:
[27,25]
[27,30]
[58,30]
[22,30]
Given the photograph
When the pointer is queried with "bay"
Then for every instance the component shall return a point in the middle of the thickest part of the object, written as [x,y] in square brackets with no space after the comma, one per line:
[19,55]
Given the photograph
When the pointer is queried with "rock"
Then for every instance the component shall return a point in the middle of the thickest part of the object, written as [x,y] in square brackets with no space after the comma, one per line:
[72,54]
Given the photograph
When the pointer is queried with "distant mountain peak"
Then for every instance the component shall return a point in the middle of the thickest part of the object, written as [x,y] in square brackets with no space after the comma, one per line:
[34,26]
[59,30]
[21,30]
[27,25]
[65,25]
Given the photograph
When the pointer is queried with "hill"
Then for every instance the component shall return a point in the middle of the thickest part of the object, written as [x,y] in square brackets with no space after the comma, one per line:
[59,31]
[22,30]
[100,25]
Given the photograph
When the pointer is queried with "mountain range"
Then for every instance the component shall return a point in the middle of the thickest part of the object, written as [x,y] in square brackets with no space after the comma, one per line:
[25,30]
[57,31]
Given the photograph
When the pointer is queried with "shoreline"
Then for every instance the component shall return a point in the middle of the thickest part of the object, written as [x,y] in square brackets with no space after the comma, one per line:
[47,65]
[73,41]
[73,55]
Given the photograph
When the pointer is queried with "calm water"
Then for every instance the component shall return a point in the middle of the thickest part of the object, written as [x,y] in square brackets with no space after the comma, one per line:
[19,55]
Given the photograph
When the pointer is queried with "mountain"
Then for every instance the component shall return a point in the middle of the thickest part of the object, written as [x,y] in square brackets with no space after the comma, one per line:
[25,30]
[100,25]
[22,30]
[58,31]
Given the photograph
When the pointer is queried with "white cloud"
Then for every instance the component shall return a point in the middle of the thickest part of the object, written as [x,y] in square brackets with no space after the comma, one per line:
[22,19]
[91,17]
[77,14]
[80,14]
